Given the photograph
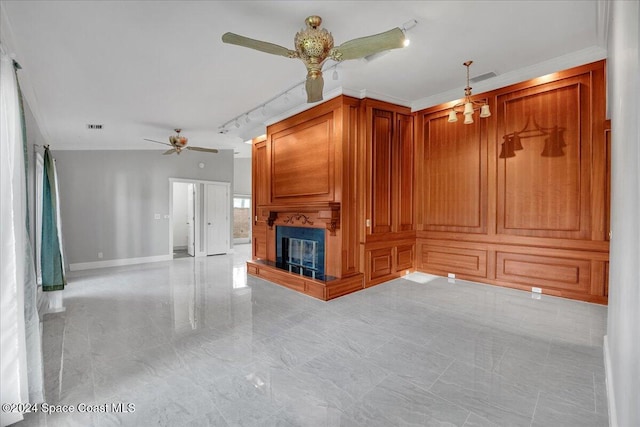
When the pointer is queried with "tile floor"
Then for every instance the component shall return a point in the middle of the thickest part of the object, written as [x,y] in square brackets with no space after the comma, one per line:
[194,342]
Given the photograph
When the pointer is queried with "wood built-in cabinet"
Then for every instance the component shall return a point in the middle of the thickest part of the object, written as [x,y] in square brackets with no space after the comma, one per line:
[519,199]
[387,185]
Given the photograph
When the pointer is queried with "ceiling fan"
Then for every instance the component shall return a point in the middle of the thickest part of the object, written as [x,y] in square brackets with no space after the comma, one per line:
[179,143]
[314,45]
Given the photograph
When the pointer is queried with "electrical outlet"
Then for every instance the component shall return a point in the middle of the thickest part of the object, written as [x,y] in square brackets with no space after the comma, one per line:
[156,216]
[451,276]
[536,290]
[99,255]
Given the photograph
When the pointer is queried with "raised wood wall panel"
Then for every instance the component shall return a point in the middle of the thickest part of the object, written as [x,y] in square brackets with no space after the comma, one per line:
[404,258]
[260,190]
[302,161]
[444,260]
[259,241]
[554,273]
[405,172]
[606,279]
[455,170]
[381,152]
[348,192]
[544,188]
[381,263]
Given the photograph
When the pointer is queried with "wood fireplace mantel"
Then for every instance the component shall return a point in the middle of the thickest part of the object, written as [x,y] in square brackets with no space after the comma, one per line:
[304,215]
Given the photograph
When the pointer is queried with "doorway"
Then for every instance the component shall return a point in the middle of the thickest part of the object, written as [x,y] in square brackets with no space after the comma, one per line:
[183,218]
[200,212]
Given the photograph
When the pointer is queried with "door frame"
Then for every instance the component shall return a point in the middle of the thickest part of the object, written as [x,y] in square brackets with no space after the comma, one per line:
[247,239]
[200,249]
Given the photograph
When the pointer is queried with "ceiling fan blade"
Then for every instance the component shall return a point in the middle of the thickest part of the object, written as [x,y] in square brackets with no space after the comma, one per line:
[267,47]
[207,150]
[158,142]
[173,150]
[365,46]
[314,88]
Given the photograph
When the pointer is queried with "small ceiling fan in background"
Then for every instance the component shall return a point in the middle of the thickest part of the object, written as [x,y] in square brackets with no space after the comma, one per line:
[314,46]
[179,143]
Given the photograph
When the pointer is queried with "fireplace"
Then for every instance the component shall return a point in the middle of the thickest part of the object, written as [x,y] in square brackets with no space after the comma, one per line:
[301,250]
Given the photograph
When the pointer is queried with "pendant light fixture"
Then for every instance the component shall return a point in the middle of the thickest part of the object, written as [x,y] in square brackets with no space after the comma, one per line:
[469,105]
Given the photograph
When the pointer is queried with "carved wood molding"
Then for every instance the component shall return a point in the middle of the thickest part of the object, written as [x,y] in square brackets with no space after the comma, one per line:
[298,217]
[306,215]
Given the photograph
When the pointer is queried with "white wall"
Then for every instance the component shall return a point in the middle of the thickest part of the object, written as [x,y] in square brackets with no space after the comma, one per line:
[623,331]
[180,218]
[109,199]
[242,176]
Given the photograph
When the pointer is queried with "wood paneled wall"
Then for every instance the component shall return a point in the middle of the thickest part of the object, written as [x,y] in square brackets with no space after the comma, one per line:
[519,199]
[386,184]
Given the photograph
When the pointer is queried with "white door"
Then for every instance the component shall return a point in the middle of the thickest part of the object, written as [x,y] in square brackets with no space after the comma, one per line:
[217,217]
[191,219]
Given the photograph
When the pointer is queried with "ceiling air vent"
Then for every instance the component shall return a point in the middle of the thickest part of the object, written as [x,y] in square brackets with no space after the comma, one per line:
[96,127]
[482,77]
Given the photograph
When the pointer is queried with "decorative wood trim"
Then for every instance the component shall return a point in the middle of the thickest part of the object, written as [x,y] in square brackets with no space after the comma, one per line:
[298,217]
[306,285]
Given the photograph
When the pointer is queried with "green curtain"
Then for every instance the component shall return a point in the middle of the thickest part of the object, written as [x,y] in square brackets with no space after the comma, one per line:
[50,258]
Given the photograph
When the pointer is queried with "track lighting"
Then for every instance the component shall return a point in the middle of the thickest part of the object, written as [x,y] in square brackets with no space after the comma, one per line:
[405,28]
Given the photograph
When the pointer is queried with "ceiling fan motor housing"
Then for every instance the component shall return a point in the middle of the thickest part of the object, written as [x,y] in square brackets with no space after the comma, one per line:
[178,141]
[312,43]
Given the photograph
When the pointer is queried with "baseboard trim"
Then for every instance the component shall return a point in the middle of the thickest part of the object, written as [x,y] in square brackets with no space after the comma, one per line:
[611,401]
[118,262]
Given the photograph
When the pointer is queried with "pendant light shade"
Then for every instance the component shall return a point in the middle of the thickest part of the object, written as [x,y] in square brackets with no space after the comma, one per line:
[468,109]
[452,116]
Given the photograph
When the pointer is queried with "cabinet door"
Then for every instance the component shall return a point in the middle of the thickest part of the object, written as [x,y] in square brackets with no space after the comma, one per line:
[381,170]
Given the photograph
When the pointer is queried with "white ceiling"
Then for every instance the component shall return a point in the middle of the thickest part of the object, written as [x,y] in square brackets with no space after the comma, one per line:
[142,68]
